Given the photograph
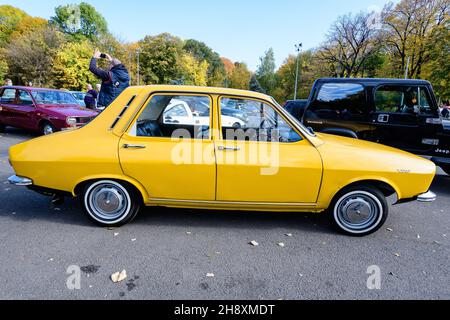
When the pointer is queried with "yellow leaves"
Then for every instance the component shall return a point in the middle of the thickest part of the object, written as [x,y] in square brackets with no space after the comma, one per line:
[71,66]
[194,72]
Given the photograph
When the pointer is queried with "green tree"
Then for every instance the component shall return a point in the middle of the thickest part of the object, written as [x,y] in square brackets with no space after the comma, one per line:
[80,21]
[30,57]
[3,70]
[240,78]
[160,59]
[265,73]
[71,66]
[254,84]
[216,69]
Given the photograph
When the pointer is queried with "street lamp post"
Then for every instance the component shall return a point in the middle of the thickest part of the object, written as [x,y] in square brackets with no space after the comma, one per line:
[138,76]
[298,48]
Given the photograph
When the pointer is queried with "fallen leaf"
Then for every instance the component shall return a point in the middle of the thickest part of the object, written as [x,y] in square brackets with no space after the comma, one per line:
[418,236]
[289,235]
[188,233]
[210,275]
[116,234]
[281,244]
[444,235]
[389,229]
[57,209]
[133,240]
[119,276]
[254,243]
[436,242]
[397,254]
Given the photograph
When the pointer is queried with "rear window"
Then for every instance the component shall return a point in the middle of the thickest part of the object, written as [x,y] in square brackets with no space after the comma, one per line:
[342,101]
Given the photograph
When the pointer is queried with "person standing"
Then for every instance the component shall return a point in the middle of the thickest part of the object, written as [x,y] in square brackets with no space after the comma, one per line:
[90,99]
[114,80]
[8,83]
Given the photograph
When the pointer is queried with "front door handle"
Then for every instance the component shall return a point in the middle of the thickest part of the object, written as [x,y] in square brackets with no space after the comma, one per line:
[222,148]
[133,146]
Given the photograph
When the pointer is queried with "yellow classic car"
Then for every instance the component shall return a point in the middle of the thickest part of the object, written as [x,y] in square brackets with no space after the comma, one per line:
[217,148]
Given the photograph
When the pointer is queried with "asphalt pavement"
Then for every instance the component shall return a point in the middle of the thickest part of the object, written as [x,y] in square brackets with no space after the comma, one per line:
[168,253]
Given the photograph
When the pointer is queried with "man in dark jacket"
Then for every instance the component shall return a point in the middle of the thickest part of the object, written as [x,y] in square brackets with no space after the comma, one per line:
[114,81]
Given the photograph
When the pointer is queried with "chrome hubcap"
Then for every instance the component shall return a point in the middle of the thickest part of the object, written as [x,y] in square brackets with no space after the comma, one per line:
[108,201]
[358,212]
[48,129]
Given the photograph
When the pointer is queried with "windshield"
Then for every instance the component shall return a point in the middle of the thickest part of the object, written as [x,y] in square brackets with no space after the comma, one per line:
[78,95]
[293,119]
[53,97]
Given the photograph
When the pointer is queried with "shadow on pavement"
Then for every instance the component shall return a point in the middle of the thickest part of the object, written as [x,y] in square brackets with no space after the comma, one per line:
[441,185]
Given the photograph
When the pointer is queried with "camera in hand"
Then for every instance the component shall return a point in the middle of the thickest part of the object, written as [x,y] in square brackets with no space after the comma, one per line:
[103,56]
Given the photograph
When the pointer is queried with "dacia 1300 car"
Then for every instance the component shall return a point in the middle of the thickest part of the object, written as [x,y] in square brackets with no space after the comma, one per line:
[131,156]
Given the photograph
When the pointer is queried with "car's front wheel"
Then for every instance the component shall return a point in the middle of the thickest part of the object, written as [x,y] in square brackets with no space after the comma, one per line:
[47,128]
[359,210]
[110,203]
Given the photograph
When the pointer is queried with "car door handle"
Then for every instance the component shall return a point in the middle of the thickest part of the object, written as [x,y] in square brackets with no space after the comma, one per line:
[133,146]
[222,148]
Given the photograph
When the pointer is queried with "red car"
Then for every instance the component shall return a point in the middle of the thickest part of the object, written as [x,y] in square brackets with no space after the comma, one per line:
[43,110]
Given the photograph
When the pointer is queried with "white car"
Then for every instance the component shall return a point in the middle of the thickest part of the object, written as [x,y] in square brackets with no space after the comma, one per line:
[179,112]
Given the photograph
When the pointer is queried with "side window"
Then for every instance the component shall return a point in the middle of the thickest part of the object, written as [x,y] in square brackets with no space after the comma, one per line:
[339,101]
[253,120]
[402,99]
[173,116]
[8,96]
[24,98]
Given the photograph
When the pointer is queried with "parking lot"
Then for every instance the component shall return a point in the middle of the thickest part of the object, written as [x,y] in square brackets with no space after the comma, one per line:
[168,253]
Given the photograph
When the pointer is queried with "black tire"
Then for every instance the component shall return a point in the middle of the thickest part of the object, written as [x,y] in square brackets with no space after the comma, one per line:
[47,128]
[2,127]
[97,196]
[365,205]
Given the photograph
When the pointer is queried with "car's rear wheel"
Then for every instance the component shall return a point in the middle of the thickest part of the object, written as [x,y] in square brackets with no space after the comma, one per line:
[110,203]
[47,128]
[359,210]
[2,127]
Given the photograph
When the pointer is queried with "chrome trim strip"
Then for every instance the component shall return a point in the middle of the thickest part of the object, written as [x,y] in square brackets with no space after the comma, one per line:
[274,204]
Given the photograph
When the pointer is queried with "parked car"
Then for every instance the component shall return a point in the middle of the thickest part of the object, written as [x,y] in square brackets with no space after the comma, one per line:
[43,110]
[395,112]
[79,96]
[129,156]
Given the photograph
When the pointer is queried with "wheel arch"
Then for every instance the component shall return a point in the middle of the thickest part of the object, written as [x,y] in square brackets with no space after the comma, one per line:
[386,187]
[138,187]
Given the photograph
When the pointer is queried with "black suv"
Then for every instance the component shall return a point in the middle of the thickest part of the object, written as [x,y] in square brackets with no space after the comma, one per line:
[395,112]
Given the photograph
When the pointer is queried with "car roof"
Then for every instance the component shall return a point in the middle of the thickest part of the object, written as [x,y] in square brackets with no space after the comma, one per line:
[206,90]
[373,81]
[31,88]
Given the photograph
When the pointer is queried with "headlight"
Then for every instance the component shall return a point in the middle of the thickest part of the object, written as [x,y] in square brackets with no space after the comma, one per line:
[71,121]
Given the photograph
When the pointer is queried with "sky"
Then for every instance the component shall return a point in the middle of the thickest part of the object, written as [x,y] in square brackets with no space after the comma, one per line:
[239,30]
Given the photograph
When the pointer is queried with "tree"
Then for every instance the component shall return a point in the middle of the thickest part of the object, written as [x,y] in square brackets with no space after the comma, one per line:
[194,72]
[71,66]
[254,84]
[31,56]
[3,70]
[80,21]
[265,73]
[240,78]
[160,59]
[407,32]
[15,22]
[351,40]
[216,69]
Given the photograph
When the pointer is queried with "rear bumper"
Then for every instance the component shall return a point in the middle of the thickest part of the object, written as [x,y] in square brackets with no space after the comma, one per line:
[424,197]
[427,197]
[20,181]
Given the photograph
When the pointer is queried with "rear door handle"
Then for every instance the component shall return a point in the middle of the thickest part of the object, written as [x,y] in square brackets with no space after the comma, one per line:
[133,146]
[222,148]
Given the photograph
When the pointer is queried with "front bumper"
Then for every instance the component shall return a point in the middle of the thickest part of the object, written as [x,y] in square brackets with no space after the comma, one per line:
[427,197]
[20,181]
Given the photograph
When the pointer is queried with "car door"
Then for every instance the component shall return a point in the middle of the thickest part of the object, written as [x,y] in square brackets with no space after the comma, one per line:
[23,115]
[7,100]
[266,160]
[172,161]
[396,116]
